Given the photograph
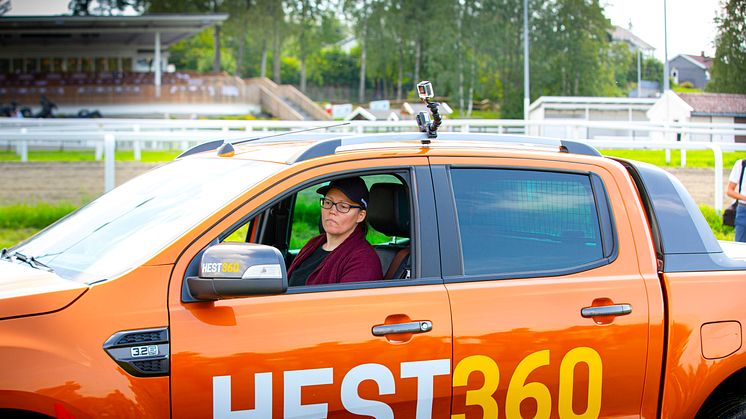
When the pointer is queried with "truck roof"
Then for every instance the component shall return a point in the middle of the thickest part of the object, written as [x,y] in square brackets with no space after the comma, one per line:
[292,148]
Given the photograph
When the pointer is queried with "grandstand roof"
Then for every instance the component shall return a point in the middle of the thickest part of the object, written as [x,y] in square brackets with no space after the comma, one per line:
[136,31]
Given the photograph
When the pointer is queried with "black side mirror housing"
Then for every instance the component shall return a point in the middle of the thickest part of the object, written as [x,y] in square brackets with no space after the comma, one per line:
[234,270]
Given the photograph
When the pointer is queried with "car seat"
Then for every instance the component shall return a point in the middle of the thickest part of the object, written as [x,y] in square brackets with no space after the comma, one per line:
[389,213]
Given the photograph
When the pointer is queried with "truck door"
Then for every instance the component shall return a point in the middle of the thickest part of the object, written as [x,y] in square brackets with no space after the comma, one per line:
[379,348]
[550,313]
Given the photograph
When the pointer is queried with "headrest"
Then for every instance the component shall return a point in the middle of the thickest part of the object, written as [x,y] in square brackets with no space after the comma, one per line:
[388,211]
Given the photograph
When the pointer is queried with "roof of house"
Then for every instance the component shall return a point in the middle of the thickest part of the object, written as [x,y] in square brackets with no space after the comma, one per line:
[620,34]
[716,104]
[700,61]
[360,113]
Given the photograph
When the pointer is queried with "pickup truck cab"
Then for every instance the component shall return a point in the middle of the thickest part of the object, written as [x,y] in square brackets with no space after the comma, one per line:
[523,277]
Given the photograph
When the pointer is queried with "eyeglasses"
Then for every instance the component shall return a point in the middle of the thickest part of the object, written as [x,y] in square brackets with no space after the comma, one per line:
[342,207]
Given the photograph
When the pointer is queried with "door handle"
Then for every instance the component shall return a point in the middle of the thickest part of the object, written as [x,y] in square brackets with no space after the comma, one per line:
[610,310]
[400,328]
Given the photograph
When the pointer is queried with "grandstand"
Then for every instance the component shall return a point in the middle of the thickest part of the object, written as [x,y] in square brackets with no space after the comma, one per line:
[118,65]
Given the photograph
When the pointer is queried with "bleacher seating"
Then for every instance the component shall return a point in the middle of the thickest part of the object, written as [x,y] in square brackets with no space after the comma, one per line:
[115,87]
[95,78]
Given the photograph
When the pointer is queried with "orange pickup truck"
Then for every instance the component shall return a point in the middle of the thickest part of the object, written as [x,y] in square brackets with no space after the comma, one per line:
[523,278]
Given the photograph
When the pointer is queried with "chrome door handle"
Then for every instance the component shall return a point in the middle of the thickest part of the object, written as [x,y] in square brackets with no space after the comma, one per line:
[399,328]
[612,310]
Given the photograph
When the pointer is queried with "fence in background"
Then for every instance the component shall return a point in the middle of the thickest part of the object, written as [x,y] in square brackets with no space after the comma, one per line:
[105,135]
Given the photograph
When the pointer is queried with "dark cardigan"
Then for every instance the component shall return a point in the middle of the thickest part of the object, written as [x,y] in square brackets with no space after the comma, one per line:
[352,261]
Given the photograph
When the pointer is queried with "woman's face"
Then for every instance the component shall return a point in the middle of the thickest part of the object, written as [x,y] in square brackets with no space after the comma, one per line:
[336,223]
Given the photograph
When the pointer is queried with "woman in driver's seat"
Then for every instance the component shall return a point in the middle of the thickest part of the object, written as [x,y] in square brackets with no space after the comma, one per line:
[341,253]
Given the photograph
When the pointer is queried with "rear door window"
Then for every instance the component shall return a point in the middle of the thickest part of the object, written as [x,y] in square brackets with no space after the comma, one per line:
[526,222]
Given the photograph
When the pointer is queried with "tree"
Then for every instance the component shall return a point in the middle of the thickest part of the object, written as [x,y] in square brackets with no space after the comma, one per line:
[363,15]
[105,7]
[197,53]
[729,66]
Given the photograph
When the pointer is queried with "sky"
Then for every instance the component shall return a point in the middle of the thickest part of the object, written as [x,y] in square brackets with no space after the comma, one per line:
[691,28]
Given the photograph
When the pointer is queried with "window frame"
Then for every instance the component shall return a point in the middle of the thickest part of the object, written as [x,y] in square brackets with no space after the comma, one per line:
[450,233]
[424,242]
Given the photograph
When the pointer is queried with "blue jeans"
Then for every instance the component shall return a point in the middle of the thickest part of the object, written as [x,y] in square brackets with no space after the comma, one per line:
[741,223]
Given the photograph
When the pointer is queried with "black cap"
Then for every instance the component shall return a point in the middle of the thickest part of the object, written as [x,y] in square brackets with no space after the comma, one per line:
[353,187]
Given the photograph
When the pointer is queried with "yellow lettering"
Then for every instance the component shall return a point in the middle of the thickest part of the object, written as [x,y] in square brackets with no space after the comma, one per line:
[519,390]
[591,358]
[482,396]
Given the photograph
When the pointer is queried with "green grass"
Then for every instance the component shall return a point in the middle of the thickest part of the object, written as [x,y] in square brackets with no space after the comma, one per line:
[33,216]
[475,114]
[147,156]
[715,220]
[694,158]
[19,222]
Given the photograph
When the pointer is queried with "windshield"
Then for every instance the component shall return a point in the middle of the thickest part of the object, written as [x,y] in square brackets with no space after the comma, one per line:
[129,225]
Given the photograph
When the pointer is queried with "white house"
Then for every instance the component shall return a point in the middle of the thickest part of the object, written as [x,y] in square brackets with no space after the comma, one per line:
[362,114]
[612,109]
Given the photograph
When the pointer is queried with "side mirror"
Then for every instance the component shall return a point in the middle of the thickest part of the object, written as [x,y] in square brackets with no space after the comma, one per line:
[232,270]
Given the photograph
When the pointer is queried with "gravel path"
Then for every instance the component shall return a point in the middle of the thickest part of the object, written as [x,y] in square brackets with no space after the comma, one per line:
[80,182]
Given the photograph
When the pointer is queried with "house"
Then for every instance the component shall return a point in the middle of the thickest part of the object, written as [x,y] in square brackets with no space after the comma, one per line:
[611,109]
[713,108]
[690,68]
[648,89]
[362,114]
[620,35]
[635,43]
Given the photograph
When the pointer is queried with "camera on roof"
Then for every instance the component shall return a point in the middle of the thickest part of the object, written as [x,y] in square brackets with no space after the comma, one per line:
[425,90]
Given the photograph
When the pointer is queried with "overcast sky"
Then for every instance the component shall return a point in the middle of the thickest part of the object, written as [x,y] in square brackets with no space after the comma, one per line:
[691,29]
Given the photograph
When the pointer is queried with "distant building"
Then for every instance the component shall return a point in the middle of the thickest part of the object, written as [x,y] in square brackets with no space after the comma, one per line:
[609,109]
[647,88]
[635,43]
[690,68]
[362,114]
[715,108]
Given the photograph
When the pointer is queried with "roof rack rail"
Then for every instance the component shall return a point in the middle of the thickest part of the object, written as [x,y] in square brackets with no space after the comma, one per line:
[328,147]
[269,137]
[212,145]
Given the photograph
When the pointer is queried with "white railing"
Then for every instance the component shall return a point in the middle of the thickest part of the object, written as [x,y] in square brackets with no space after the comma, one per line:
[105,134]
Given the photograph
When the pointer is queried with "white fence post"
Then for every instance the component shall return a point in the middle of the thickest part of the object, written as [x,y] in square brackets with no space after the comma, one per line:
[136,146]
[22,147]
[718,189]
[109,161]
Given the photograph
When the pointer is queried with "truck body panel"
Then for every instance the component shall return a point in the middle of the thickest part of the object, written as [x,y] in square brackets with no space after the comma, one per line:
[512,336]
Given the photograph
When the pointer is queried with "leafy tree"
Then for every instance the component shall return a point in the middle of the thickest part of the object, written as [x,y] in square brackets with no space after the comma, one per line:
[105,7]
[196,53]
[314,26]
[729,66]
[362,14]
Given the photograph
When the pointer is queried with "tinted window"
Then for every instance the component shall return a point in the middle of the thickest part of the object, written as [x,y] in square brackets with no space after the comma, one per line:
[523,221]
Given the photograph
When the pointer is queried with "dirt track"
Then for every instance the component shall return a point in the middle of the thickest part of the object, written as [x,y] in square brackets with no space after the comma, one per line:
[80,182]
[74,182]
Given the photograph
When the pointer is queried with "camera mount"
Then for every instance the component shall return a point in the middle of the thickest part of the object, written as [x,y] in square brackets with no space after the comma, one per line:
[426,125]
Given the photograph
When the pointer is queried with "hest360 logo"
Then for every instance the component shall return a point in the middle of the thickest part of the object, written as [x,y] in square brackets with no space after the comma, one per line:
[220,267]
[519,389]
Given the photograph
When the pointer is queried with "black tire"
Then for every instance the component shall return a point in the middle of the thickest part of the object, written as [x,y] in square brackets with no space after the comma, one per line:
[730,406]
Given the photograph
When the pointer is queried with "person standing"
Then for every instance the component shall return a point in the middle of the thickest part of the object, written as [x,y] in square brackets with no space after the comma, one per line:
[737,191]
